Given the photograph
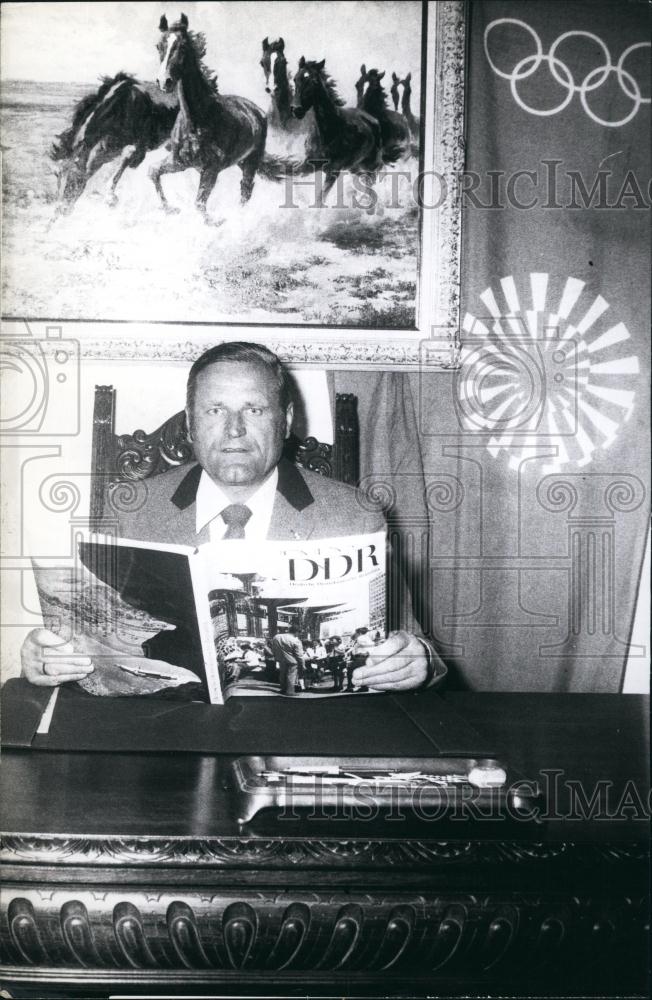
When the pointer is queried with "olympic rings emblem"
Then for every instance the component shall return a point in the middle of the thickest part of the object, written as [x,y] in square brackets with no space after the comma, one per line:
[527,66]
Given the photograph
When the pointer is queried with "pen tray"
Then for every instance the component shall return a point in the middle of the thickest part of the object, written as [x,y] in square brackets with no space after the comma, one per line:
[358,786]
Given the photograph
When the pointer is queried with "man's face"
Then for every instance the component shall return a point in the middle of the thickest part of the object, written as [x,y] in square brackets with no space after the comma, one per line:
[237,424]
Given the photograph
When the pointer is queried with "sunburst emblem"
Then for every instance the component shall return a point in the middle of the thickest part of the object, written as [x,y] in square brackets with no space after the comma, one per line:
[545,370]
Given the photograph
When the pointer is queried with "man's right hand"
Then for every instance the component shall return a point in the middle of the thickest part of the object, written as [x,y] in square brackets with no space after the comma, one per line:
[48,661]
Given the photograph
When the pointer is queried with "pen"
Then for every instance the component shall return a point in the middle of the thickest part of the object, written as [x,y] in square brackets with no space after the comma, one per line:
[137,672]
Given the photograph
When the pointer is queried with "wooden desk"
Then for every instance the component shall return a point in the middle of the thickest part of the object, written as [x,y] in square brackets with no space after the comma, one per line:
[127,873]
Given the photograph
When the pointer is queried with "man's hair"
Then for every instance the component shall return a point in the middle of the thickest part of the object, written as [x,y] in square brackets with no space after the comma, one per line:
[242,351]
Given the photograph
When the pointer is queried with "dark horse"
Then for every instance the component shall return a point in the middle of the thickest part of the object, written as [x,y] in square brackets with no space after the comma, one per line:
[413,122]
[393,127]
[121,118]
[349,139]
[211,131]
[396,83]
[360,84]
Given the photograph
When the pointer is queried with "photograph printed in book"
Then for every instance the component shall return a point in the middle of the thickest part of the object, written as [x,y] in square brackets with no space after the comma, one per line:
[250,163]
[265,618]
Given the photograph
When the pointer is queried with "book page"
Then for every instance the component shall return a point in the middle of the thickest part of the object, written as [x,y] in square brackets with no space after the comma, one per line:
[295,618]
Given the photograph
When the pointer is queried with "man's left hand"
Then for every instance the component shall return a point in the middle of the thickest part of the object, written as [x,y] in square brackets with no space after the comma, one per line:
[400,663]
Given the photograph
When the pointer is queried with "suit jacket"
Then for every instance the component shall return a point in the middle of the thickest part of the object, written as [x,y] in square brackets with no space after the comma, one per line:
[307,505]
[287,649]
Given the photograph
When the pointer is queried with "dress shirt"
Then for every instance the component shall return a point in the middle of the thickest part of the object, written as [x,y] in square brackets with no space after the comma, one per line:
[211,501]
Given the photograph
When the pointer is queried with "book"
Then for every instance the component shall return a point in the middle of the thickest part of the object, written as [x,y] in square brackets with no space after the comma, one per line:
[231,617]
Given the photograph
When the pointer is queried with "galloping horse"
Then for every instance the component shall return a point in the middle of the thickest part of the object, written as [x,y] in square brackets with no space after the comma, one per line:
[280,118]
[349,139]
[266,57]
[359,87]
[120,118]
[211,131]
[413,123]
[393,127]
[394,90]
[271,49]
[282,93]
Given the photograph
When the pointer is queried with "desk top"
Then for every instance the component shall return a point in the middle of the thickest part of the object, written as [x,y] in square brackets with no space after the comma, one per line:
[579,747]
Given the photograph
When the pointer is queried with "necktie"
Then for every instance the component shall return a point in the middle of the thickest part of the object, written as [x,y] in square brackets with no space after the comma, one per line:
[235,516]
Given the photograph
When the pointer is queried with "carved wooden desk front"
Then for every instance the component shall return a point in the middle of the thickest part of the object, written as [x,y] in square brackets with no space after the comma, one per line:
[127,873]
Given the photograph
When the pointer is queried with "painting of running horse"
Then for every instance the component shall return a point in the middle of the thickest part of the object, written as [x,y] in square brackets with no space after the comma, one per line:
[286,131]
[348,138]
[224,164]
[406,107]
[211,132]
[275,65]
[394,130]
[121,120]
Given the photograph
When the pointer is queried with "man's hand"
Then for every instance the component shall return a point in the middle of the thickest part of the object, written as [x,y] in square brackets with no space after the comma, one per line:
[47,661]
[400,663]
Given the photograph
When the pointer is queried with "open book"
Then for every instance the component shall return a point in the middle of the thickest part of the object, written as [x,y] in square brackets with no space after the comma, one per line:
[235,617]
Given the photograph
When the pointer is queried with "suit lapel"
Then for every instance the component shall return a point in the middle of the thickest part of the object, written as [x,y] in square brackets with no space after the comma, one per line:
[293,513]
[182,515]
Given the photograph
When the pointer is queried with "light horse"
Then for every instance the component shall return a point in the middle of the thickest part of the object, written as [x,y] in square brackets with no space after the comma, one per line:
[211,131]
[393,127]
[349,139]
[269,49]
[121,118]
[280,119]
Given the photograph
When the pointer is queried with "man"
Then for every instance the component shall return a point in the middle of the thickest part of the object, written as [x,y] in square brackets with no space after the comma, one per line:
[250,657]
[362,643]
[335,661]
[270,662]
[308,663]
[319,660]
[289,654]
[239,411]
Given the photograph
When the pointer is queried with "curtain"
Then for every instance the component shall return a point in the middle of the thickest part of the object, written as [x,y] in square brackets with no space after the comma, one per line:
[391,475]
[534,455]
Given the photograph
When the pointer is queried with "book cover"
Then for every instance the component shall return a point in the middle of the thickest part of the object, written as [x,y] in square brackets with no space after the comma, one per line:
[236,617]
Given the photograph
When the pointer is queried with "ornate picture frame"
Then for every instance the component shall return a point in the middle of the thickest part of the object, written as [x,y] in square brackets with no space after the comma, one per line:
[425,332]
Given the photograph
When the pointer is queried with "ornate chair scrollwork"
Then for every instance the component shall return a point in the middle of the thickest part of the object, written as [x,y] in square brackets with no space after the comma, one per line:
[130,457]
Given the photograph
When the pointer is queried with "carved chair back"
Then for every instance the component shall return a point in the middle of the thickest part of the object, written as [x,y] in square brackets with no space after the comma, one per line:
[118,458]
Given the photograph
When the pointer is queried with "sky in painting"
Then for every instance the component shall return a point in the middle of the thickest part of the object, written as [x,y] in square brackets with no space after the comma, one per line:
[79,42]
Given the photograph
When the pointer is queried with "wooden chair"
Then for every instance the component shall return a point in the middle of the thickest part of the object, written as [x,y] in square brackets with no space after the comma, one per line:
[129,457]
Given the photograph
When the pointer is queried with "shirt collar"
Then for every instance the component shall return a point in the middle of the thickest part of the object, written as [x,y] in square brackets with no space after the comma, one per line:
[211,501]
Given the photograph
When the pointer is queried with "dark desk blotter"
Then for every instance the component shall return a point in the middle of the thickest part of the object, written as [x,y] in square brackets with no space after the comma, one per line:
[411,724]
[22,707]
